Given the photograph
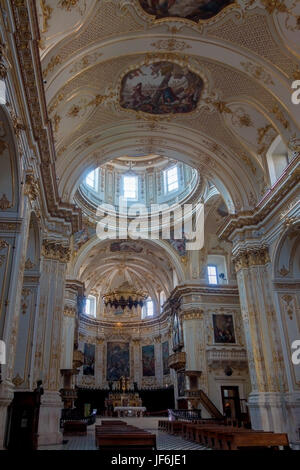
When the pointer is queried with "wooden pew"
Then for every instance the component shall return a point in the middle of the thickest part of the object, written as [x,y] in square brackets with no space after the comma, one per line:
[253,439]
[124,437]
[112,422]
[75,428]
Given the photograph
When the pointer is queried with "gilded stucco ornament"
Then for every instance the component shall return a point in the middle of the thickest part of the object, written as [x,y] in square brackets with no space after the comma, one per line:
[5,203]
[251,257]
[31,187]
[56,251]
[46,12]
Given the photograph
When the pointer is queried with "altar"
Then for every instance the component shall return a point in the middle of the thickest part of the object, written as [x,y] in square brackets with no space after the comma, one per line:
[130,410]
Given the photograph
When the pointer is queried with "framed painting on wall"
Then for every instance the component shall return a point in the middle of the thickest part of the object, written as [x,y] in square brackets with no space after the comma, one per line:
[165,357]
[148,360]
[223,329]
[89,359]
[117,360]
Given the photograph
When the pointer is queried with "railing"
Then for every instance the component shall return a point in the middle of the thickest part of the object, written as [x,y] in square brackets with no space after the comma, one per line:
[73,414]
[211,408]
[187,415]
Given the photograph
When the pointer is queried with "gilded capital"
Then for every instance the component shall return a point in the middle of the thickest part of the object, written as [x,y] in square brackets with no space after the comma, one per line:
[70,311]
[192,314]
[251,257]
[56,251]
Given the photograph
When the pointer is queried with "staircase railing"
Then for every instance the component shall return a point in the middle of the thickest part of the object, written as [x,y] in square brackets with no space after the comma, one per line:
[210,407]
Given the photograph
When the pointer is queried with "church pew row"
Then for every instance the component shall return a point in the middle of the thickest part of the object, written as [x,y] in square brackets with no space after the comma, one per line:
[112,422]
[75,428]
[123,436]
[224,437]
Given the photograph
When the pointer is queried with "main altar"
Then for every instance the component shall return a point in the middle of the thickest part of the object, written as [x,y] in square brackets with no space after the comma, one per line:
[124,401]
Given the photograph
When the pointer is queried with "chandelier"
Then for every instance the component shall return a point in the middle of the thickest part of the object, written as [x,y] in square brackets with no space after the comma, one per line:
[125,296]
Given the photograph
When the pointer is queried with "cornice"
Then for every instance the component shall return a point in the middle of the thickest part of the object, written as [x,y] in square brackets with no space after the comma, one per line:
[286,183]
[26,37]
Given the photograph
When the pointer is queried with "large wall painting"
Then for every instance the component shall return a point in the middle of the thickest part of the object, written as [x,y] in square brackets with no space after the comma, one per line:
[165,357]
[117,360]
[148,360]
[181,384]
[89,359]
[223,329]
[194,10]
[161,88]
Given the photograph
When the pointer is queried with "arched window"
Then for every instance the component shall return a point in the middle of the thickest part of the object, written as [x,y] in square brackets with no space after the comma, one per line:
[162,299]
[148,309]
[130,187]
[278,158]
[92,179]
[90,306]
[171,179]
[216,269]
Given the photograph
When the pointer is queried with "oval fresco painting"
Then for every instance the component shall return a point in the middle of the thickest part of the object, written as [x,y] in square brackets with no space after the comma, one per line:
[194,10]
[161,88]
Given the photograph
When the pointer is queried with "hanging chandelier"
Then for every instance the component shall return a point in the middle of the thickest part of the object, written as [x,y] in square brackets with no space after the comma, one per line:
[125,296]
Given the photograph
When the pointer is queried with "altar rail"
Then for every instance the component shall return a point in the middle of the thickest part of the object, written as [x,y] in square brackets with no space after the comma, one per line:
[188,415]
[74,414]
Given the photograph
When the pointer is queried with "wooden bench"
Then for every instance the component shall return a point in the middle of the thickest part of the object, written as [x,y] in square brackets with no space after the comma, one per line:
[75,428]
[125,437]
[113,422]
[253,439]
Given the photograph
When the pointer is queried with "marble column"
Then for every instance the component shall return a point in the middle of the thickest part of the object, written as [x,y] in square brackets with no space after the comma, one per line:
[266,365]
[13,244]
[49,339]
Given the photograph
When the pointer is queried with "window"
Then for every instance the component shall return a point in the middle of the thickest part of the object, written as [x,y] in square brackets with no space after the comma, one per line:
[147,310]
[90,306]
[212,274]
[91,179]
[130,186]
[171,179]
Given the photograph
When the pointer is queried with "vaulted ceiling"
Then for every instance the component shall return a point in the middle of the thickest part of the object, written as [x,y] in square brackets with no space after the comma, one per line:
[246,56]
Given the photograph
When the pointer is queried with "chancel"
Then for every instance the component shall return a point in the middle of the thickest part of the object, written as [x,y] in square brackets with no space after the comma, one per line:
[128,127]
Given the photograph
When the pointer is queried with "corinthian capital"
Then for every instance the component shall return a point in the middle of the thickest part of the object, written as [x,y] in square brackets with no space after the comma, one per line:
[257,256]
[56,251]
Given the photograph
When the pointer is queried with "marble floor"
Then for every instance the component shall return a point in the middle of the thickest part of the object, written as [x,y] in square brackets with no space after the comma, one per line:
[164,441]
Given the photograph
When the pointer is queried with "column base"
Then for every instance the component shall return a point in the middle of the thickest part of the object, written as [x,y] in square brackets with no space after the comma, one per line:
[6,397]
[50,413]
[271,411]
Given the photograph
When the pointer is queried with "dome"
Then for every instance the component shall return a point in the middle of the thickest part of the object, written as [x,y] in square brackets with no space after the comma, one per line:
[146,180]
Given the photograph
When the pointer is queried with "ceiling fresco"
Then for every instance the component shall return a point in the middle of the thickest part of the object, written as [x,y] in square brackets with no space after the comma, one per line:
[194,10]
[161,88]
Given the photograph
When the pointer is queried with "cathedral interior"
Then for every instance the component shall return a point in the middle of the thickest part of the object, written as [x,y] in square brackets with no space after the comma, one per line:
[159,104]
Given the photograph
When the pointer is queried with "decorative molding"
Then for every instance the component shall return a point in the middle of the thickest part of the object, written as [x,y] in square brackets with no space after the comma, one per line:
[196,314]
[27,50]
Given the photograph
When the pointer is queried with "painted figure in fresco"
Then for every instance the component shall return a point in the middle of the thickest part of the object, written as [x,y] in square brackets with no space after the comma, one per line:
[161,88]
[191,9]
